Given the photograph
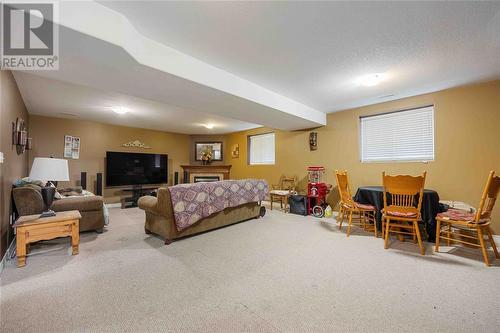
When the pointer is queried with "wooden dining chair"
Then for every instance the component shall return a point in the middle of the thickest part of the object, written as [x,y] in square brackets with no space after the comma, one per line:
[364,214]
[477,224]
[402,214]
[282,191]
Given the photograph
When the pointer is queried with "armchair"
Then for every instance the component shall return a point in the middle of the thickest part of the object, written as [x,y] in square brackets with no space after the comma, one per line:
[28,200]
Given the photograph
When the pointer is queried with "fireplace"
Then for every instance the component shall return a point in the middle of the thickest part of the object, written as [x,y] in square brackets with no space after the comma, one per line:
[205,173]
[203,178]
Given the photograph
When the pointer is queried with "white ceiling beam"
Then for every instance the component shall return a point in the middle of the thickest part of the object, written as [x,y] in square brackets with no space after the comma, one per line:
[104,24]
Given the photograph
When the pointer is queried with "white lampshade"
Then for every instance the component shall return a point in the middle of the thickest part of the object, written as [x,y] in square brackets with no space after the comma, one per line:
[49,169]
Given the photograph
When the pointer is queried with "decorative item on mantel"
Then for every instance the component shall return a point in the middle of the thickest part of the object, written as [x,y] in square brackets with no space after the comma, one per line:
[313,141]
[206,156]
[20,137]
[136,144]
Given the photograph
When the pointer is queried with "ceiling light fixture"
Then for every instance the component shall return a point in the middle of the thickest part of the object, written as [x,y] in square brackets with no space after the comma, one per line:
[120,109]
[371,80]
[209,126]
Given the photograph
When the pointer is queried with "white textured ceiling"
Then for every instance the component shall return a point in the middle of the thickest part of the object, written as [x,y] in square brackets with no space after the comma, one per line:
[101,49]
[313,52]
[49,97]
[245,64]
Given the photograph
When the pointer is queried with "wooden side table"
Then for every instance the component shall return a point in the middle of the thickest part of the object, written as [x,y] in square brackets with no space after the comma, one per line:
[32,228]
[281,196]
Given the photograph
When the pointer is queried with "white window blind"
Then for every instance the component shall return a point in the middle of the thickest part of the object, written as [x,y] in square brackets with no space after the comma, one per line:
[398,136]
[261,149]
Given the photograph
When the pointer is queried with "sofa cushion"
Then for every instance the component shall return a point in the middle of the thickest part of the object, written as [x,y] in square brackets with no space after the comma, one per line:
[82,204]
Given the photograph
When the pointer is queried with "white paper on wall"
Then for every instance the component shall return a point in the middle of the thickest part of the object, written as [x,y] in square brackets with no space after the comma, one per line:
[71,147]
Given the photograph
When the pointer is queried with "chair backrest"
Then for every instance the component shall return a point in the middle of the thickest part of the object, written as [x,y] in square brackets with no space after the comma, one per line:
[404,190]
[344,188]
[287,183]
[488,198]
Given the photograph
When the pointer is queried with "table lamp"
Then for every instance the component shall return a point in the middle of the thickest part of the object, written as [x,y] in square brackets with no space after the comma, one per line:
[49,170]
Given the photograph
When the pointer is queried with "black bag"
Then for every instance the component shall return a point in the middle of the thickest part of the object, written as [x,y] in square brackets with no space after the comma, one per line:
[298,204]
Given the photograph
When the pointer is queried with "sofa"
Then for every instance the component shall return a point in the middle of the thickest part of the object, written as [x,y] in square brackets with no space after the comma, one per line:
[160,216]
[28,201]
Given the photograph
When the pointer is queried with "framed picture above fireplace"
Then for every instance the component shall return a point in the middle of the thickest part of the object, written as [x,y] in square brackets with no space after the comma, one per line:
[214,147]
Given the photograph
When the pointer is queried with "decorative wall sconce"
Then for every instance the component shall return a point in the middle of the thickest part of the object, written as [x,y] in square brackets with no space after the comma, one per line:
[20,137]
[313,141]
[235,151]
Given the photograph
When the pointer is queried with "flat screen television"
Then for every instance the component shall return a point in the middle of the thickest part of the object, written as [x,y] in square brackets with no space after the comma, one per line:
[135,169]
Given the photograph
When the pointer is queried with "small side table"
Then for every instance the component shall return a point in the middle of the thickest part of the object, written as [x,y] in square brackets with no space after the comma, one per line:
[32,228]
[281,196]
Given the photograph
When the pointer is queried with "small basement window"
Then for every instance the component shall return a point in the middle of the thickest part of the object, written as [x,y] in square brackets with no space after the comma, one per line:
[261,149]
[398,136]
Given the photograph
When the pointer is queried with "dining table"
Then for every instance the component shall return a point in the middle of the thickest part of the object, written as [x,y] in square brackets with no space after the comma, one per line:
[374,195]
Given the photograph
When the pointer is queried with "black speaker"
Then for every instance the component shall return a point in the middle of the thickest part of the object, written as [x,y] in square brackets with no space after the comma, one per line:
[176,178]
[83,180]
[98,190]
[185,177]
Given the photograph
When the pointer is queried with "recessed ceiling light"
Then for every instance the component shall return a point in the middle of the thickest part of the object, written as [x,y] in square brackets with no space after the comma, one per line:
[371,80]
[209,126]
[120,109]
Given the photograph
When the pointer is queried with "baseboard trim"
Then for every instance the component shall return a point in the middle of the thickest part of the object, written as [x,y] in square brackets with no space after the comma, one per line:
[8,254]
[114,205]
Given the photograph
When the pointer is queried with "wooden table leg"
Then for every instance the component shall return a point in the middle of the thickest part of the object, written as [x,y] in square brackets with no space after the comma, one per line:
[21,248]
[75,237]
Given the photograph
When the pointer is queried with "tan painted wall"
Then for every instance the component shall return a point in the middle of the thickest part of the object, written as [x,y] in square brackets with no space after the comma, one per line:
[15,166]
[96,138]
[467,145]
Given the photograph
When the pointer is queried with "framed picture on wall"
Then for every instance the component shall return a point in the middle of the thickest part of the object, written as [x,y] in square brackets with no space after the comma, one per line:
[214,147]
[71,147]
[68,145]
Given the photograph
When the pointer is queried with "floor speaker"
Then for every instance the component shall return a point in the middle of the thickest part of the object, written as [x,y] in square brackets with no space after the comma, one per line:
[176,178]
[98,190]
[83,180]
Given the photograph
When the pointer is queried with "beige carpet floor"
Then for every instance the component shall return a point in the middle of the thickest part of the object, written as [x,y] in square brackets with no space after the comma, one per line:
[282,273]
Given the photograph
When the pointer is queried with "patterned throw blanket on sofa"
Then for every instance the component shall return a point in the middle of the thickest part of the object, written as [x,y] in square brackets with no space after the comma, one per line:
[192,202]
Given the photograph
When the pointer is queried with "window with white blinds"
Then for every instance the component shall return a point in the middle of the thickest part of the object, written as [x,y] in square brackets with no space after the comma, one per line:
[261,149]
[398,136]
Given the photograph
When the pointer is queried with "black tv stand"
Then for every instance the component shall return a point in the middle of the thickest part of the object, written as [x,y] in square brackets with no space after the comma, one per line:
[137,192]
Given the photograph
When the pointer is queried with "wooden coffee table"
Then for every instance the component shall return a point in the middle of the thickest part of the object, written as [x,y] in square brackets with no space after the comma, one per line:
[32,228]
